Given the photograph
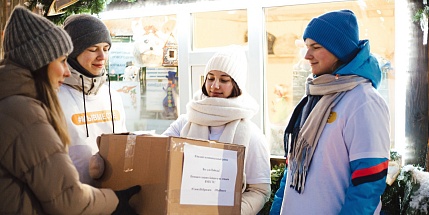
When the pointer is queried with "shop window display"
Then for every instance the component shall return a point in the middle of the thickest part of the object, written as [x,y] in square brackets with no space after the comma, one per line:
[146,79]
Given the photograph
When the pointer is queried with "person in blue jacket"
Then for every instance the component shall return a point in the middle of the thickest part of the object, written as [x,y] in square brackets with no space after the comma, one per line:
[278,196]
[338,136]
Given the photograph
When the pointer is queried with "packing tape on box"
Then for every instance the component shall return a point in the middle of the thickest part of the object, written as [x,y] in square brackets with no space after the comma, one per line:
[177,146]
[129,153]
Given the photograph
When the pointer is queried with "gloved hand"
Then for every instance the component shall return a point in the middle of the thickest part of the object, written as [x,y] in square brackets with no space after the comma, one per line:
[96,166]
[124,196]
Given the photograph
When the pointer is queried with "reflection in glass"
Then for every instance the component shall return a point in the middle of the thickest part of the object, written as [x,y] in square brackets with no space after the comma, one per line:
[219,28]
[143,69]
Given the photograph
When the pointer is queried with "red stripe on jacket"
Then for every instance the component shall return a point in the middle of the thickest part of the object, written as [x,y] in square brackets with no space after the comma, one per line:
[371,170]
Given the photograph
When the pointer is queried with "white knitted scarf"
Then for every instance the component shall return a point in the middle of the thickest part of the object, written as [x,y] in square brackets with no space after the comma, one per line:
[234,113]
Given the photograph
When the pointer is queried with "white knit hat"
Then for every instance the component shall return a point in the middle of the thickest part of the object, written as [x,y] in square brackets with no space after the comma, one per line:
[231,60]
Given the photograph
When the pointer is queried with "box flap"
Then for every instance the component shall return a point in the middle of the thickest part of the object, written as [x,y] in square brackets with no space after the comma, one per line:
[147,166]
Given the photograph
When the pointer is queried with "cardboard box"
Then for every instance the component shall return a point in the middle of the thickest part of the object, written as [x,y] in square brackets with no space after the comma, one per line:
[177,175]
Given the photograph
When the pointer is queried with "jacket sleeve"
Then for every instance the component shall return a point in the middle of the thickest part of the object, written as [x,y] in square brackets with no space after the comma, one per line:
[51,176]
[254,198]
[175,127]
[278,197]
[367,184]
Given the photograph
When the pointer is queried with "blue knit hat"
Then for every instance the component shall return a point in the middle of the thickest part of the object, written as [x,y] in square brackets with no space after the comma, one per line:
[337,31]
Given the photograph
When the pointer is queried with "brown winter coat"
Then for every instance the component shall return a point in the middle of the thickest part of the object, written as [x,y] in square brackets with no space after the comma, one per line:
[37,175]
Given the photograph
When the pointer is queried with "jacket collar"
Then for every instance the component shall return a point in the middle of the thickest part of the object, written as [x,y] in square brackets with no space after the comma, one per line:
[364,65]
[90,85]
[15,80]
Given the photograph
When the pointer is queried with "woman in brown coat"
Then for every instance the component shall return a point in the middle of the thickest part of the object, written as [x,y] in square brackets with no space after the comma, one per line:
[36,173]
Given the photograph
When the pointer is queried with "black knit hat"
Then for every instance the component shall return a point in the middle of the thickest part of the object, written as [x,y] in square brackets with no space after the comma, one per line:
[85,30]
[33,41]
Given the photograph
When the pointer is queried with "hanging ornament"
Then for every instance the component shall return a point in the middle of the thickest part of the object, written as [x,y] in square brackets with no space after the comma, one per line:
[36,8]
[57,6]
[39,8]
[170,52]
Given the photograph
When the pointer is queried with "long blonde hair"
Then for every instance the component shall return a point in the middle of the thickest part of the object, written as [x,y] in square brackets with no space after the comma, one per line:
[47,95]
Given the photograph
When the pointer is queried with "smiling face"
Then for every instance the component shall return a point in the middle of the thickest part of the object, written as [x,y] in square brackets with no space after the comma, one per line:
[58,70]
[218,84]
[321,60]
[94,57]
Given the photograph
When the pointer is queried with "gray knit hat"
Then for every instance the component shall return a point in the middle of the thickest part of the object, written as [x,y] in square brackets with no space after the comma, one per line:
[85,30]
[33,41]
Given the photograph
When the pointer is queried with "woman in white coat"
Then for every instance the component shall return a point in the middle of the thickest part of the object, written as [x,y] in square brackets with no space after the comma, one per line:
[221,111]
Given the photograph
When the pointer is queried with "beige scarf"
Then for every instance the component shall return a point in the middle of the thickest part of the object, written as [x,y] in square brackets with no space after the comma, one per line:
[333,89]
[234,113]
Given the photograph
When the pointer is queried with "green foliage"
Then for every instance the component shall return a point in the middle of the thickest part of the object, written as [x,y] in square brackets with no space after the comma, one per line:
[276,176]
[394,156]
[81,6]
[393,198]
[397,197]
[419,14]
[129,1]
